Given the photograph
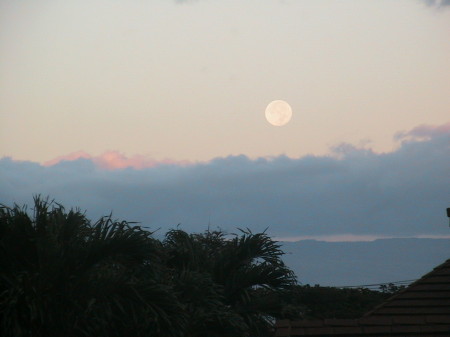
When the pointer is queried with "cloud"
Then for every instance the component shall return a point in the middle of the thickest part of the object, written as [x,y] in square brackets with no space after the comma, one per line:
[69,157]
[111,160]
[437,3]
[353,192]
[424,132]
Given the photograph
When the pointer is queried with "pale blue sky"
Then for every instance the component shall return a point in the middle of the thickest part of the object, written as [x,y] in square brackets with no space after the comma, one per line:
[190,80]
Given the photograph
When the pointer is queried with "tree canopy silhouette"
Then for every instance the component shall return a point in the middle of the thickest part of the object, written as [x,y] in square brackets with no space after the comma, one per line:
[61,274]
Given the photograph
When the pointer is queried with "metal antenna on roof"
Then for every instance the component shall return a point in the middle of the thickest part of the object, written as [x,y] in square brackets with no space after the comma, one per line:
[448,214]
[209,221]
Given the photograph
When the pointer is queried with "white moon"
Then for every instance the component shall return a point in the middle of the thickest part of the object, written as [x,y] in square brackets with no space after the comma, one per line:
[278,113]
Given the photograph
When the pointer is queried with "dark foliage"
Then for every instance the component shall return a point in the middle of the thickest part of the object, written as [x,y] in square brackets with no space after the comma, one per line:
[221,280]
[61,275]
[329,302]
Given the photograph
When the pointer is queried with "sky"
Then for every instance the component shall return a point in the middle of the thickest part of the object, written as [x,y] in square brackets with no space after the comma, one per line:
[155,110]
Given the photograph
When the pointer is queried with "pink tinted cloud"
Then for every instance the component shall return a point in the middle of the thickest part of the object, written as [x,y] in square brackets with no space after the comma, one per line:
[69,157]
[111,160]
[424,132]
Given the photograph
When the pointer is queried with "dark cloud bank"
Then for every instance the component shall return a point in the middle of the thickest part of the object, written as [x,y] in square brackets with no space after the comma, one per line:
[403,193]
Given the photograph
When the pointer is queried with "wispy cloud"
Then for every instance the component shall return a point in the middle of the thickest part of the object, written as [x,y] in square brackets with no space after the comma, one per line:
[111,160]
[356,193]
[437,3]
[424,132]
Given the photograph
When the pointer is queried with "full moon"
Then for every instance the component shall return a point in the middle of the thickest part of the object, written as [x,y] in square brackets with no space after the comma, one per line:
[278,113]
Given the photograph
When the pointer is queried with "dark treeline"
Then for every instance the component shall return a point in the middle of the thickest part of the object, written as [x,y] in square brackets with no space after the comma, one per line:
[61,274]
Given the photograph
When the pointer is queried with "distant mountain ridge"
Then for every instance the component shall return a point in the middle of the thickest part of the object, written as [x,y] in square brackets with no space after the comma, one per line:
[362,263]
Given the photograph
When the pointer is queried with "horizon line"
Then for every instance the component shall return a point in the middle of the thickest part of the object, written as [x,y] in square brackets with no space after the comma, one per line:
[353,237]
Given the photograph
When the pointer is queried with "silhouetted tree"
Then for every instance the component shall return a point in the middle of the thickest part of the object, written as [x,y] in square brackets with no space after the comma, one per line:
[225,280]
[330,302]
[61,275]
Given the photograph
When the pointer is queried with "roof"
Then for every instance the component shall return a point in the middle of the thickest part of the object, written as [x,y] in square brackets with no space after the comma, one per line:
[423,308]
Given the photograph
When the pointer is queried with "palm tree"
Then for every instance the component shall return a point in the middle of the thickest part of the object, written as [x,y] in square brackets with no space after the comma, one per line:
[251,271]
[224,281]
[190,258]
[62,275]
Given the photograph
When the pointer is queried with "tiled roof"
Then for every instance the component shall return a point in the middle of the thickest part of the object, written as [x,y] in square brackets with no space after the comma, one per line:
[422,309]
